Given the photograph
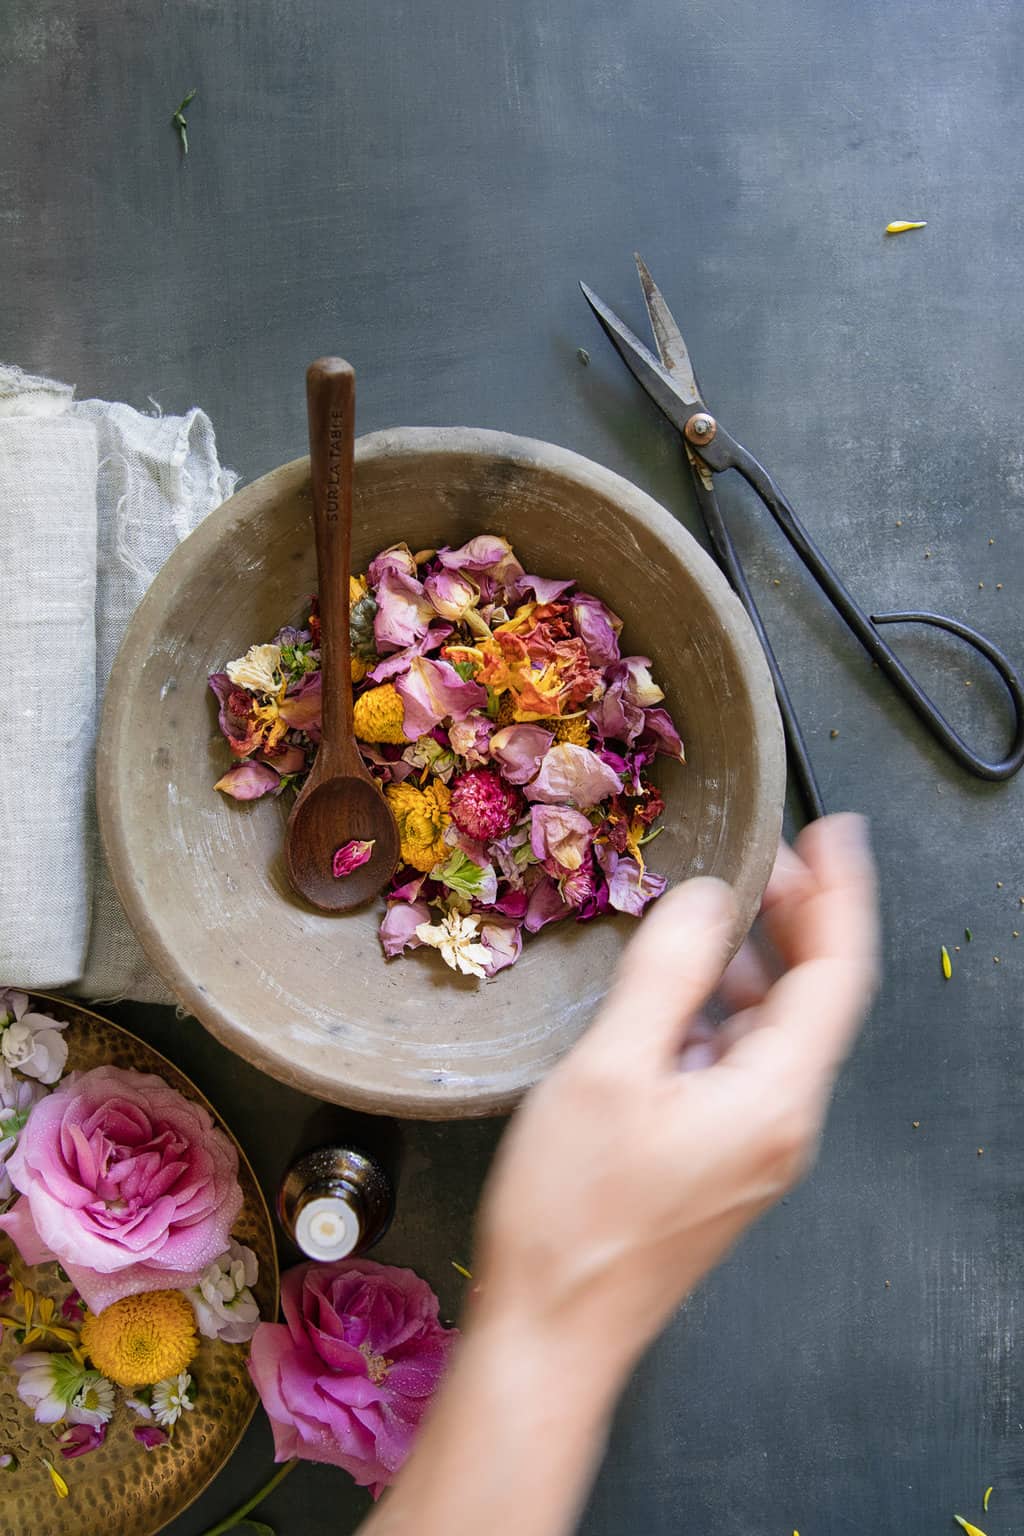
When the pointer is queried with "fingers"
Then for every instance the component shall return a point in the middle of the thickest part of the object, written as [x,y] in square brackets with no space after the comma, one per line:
[747,979]
[667,973]
[828,929]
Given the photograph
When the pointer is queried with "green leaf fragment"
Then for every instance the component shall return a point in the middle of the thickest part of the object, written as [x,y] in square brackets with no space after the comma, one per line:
[461,874]
[968,935]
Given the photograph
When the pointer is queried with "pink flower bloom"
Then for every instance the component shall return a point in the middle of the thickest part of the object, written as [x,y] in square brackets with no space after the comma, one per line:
[575,776]
[432,690]
[518,749]
[403,612]
[598,628]
[301,710]
[352,856]
[579,887]
[349,1375]
[150,1436]
[560,837]
[80,1439]
[249,781]
[483,806]
[397,931]
[129,1184]
[452,594]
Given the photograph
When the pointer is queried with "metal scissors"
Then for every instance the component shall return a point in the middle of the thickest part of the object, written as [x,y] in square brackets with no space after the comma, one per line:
[672,385]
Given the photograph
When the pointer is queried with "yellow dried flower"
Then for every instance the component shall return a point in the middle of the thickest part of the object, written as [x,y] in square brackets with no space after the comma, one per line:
[984,1502]
[140,1340]
[900,226]
[379,715]
[947,964]
[972,1530]
[359,668]
[575,729]
[422,815]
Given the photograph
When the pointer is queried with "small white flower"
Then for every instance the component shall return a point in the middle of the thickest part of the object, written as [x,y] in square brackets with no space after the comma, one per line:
[455,939]
[17,1096]
[223,1302]
[172,1398]
[256,669]
[32,1045]
[94,1401]
[50,1383]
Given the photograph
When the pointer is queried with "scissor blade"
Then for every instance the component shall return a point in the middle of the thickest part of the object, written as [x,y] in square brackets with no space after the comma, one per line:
[671,346]
[644,366]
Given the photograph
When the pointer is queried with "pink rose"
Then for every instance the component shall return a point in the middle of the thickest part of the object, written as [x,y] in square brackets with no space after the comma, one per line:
[349,1375]
[129,1184]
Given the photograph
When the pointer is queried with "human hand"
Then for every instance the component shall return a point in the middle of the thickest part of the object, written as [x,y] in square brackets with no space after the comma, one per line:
[638,1162]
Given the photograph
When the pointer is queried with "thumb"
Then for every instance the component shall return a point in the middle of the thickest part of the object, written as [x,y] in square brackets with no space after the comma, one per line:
[669,970]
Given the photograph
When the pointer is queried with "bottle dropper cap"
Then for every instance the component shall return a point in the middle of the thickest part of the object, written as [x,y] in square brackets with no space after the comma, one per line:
[327,1228]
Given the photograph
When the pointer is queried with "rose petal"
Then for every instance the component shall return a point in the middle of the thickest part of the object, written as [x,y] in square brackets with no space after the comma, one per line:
[393,666]
[543,588]
[546,906]
[639,686]
[518,750]
[301,709]
[352,856]
[431,691]
[598,627]
[629,888]
[403,611]
[560,836]
[397,931]
[398,560]
[660,731]
[504,940]
[573,775]
[249,781]
[452,593]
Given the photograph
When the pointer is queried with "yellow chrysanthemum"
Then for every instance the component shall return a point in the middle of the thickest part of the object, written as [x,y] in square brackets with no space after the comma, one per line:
[575,729]
[359,668]
[422,815]
[379,715]
[141,1340]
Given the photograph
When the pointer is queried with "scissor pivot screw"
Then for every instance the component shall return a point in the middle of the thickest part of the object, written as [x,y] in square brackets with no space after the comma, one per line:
[701,428]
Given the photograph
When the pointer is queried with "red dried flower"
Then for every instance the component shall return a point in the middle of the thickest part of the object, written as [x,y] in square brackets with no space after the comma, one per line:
[483,805]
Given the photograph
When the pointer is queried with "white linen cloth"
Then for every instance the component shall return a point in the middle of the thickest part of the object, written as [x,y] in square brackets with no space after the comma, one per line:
[93,498]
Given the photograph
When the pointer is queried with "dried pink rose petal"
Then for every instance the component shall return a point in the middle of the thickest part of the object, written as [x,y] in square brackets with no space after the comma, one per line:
[403,612]
[432,690]
[518,749]
[629,888]
[352,856]
[598,627]
[301,709]
[560,836]
[573,775]
[249,781]
[397,931]
[660,730]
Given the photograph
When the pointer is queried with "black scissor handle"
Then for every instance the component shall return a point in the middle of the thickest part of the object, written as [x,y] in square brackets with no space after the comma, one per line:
[723,452]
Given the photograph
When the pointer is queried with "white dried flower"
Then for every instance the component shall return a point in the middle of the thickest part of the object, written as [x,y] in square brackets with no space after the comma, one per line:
[258,669]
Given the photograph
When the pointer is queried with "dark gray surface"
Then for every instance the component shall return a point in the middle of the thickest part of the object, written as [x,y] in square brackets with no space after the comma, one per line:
[419,186]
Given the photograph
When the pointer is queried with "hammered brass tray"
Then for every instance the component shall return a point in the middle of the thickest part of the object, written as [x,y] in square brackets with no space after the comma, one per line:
[121,1489]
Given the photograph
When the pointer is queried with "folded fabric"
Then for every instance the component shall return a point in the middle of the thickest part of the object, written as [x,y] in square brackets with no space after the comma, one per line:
[93,498]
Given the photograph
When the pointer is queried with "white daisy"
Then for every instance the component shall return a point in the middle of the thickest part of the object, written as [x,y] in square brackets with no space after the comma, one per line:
[172,1398]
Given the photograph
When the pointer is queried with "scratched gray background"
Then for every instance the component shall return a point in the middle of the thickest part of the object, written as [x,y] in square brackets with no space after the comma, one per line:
[419,186]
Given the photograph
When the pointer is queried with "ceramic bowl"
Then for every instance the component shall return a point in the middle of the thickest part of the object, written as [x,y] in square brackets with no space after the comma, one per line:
[309,997]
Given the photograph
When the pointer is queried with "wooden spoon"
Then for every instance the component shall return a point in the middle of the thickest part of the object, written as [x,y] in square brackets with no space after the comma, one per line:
[340,801]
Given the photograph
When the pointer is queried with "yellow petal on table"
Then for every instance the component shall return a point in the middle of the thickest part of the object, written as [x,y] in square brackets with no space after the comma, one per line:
[972,1530]
[984,1502]
[947,964]
[900,226]
[55,1478]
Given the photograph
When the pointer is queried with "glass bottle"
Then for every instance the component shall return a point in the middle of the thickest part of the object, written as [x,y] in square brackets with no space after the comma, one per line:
[338,1196]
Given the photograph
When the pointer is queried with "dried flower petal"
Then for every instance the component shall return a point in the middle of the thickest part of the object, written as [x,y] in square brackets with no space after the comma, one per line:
[984,1502]
[249,781]
[352,856]
[900,226]
[972,1530]
[947,964]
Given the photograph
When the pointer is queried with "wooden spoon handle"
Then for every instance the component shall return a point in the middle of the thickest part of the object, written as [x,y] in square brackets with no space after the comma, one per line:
[331,403]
